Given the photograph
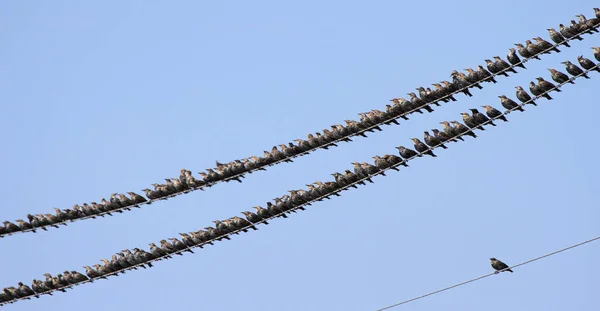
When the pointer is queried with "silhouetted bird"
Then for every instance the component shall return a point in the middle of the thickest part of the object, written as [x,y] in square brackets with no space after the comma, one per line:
[499,265]
[537,90]
[407,153]
[514,59]
[559,77]
[509,104]
[433,141]
[494,113]
[480,118]
[523,96]
[422,148]
[586,63]
[574,70]
[557,37]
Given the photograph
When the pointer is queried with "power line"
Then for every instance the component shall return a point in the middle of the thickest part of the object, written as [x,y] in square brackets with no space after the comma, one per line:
[301,205]
[362,131]
[489,274]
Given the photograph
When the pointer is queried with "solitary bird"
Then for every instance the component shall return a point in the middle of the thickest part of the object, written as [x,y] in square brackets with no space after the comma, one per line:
[586,63]
[557,37]
[494,113]
[574,70]
[509,104]
[559,77]
[499,266]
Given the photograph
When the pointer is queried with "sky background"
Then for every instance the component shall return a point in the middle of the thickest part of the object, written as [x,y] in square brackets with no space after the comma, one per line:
[112,96]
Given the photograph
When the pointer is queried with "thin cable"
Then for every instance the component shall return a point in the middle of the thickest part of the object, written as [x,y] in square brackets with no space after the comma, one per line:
[360,181]
[289,159]
[489,274]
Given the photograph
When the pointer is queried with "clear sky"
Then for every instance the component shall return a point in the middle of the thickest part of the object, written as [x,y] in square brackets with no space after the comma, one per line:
[111,96]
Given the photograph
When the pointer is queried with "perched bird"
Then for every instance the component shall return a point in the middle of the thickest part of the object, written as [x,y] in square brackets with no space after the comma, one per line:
[509,104]
[480,117]
[157,251]
[498,265]
[450,131]
[24,290]
[586,63]
[568,33]
[534,49]
[538,90]
[9,227]
[417,102]
[422,148]
[494,113]
[557,37]
[442,136]
[514,59]
[524,52]
[91,273]
[407,153]
[547,86]
[484,75]
[471,122]
[493,68]
[559,77]
[462,129]
[545,45]
[503,65]
[596,52]
[523,96]
[433,141]
[253,217]
[379,162]
[574,70]
[23,225]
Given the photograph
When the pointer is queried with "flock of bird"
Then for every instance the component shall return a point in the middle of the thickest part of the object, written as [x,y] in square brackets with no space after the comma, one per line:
[369,121]
[362,172]
[120,262]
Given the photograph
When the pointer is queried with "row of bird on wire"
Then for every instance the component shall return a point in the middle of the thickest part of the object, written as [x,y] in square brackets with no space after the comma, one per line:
[452,131]
[369,121]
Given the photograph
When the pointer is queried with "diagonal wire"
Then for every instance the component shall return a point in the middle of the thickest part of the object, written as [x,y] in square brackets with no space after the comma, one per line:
[361,180]
[489,274]
[288,159]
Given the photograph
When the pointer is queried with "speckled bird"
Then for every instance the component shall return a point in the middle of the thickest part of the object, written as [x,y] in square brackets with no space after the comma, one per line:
[494,113]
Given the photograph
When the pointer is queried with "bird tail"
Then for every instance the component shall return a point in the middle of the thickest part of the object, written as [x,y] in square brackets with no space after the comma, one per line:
[509,270]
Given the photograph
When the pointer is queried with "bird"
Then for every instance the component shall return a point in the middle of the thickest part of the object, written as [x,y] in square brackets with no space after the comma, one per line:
[450,131]
[433,141]
[23,225]
[524,52]
[499,265]
[484,75]
[503,65]
[545,45]
[547,86]
[573,70]
[514,59]
[534,49]
[422,148]
[559,77]
[557,37]
[471,122]
[493,68]
[509,104]
[565,31]
[10,227]
[480,117]
[538,90]
[586,63]
[494,113]
[442,136]
[523,96]
[596,52]
[407,153]
[462,129]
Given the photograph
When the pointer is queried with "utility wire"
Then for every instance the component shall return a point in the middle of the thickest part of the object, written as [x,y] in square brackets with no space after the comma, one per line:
[489,274]
[289,158]
[336,192]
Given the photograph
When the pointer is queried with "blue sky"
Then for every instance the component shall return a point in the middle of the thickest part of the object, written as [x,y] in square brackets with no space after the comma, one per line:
[111,96]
